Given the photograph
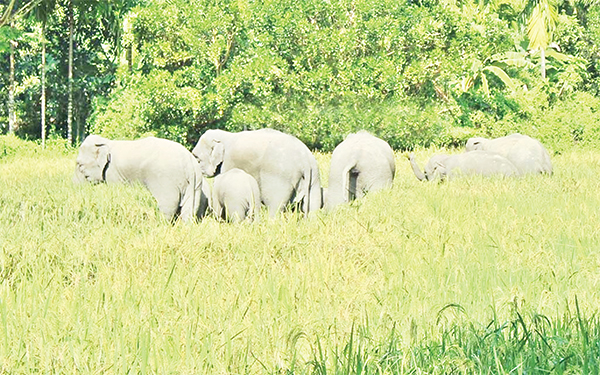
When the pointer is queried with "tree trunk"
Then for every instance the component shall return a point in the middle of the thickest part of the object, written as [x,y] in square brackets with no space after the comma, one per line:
[43,82]
[543,62]
[12,116]
[70,78]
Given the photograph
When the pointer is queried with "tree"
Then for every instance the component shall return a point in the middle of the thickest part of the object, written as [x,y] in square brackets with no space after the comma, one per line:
[12,115]
[70,75]
[41,13]
[540,27]
[16,9]
[479,70]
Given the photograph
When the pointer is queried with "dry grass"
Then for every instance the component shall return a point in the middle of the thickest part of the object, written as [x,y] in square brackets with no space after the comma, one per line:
[93,280]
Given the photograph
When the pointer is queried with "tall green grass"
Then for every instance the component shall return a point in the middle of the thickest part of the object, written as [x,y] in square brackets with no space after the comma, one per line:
[471,276]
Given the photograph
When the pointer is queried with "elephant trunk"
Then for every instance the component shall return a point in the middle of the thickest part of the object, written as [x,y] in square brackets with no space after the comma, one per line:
[415,167]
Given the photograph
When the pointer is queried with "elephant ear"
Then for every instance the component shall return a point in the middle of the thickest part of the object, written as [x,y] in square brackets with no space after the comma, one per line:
[102,159]
[217,154]
[94,154]
[439,171]
[475,143]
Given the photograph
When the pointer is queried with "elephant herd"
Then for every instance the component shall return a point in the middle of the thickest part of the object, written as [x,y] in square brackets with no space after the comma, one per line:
[512,155]
[274,169]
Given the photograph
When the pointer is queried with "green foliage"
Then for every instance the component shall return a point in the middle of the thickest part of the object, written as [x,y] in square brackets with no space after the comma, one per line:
[12,146]
[96,54]
[575,120]
[528,344]
[120,120]
[314,69]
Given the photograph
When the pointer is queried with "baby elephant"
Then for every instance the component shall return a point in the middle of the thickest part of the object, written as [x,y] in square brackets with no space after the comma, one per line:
[236,196]
[441,167]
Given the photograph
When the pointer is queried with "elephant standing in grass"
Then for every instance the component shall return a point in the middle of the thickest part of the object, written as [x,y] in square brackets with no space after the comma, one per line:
[236,196]
[526,153]
[361,163]
[284,168]
[165,167]
[441,167]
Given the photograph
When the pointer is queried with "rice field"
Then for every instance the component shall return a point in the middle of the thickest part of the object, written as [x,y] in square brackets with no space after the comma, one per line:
[470,276]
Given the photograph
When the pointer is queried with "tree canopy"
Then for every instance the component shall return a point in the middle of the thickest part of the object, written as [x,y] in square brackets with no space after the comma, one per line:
[413,72]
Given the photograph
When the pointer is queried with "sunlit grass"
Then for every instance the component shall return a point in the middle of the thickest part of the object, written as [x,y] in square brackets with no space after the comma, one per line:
[94,280]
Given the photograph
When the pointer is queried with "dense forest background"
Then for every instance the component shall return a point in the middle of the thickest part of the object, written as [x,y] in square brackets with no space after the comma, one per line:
[414,72]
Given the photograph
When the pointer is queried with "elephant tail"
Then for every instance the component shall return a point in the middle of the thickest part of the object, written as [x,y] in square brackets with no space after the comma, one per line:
[342,186]
[308,191]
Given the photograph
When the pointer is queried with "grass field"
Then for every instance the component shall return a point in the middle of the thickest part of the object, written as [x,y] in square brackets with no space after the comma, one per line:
[471,276]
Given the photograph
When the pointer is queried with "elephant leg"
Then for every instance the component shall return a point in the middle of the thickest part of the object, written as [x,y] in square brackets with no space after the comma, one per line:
[236,212]
[168,204]
[190,202]
[312,193]
[275,193]
[315,202]
[217,205]
[205,199]
[168,196]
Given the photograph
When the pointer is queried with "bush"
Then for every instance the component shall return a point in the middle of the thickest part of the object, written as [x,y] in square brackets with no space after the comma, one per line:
[121,117]
[11,145]
[573,121]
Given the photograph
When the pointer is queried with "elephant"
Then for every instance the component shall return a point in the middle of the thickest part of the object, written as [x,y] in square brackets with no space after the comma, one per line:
[166,168]
[284,168]
[526,153]
[442,167]
[361,163]
[236,196]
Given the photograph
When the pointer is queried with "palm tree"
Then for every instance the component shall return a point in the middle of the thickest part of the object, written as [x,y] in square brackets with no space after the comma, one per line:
[540,26]
[13,10]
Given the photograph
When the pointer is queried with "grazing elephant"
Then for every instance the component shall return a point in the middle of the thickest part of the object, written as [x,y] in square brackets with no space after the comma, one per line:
[236,196]
[441,167]
[284,168]
[361,163]
[165,167]
[526,153]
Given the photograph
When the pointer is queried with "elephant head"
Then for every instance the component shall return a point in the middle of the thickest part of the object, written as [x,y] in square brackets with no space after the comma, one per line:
[434,169]
[210,152]
[93,158]
[475,143]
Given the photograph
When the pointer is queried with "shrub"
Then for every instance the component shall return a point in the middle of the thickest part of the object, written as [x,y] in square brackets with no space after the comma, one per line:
[121,117]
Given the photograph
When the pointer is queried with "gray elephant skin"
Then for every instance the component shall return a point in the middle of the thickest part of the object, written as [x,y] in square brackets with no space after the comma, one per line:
[361,163]
[166,168]
[526,153]
[284,168]
[442,167]
[236,196]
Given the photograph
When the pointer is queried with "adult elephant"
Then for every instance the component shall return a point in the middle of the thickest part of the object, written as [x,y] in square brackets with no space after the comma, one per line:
[166,168]
[361,163]
[484,163]
[284,168]
[526,153]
